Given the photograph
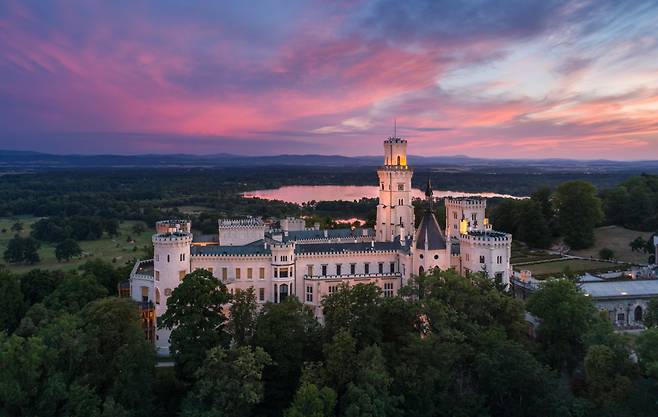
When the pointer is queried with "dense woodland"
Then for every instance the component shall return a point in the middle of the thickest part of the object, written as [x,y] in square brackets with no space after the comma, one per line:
[447,346]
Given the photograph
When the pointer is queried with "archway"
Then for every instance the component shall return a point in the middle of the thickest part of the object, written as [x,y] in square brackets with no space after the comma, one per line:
[283,292]
[638,314]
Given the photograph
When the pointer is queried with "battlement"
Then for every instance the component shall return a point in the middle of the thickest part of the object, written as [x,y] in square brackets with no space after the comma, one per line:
[172,237]
[241,223]
[470,202]
[486,236]
[172,226]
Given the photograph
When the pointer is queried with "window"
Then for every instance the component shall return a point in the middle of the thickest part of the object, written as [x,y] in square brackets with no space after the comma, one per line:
[276,272]
[388,289]
[366,268]
[250,273]
[481,259]
[468,257]
[324,270]
[261,294]
[499,259]
[168,259]
[145,294]
[180,257]
[421,256]
[339,268]
[224,274]
[392,267]
[283,273]
[157,296]
[621,317]
[401,187]
[381,267]
[284,258]
[237,273]
[210,270]
[157,275]
[436,256]
[332,289]
[474,216]
[181,275]
[382,186]
[309,270]
[352,269]
[309,293]
[262,273]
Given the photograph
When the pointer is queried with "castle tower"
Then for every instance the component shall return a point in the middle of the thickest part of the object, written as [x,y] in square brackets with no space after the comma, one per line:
[171,262]
[464,214]
[430,248]
[394,211]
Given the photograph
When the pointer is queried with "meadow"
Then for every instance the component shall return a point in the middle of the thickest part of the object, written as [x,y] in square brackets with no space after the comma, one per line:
[118,249]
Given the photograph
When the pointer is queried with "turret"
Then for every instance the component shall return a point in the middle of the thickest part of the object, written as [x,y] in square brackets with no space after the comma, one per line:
[394,211]
[465,214]
[171,262]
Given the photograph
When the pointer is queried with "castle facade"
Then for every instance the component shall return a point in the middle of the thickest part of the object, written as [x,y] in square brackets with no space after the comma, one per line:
[310,263]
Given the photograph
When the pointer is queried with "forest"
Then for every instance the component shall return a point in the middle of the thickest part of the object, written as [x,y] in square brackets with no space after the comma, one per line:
[446,346]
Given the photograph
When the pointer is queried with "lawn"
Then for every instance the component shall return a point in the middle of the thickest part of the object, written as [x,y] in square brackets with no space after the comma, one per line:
[574,265]
[616,238]
[107,248]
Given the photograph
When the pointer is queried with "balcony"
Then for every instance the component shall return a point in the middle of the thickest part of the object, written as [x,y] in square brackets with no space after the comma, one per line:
[390,275]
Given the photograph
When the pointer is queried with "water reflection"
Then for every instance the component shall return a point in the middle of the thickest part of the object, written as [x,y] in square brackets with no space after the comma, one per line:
[303,193]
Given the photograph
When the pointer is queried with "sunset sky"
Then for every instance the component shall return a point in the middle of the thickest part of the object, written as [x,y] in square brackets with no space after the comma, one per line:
[488,79]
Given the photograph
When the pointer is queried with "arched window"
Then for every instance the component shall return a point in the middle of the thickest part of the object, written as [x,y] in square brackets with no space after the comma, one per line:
[168,258]
[283,292]
[421,270]
[638,314]
[157,296]
[398,159]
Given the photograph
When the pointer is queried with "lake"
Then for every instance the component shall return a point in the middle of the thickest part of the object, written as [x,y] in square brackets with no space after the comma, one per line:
[303,193]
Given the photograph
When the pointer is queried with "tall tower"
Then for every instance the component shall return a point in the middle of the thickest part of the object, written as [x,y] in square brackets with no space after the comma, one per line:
[395,214]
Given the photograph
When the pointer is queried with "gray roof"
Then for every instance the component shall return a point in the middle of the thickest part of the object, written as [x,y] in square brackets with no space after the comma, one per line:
[300,235]
[621,289]
[347,247]
[206,238]
[255,248]
[429,234]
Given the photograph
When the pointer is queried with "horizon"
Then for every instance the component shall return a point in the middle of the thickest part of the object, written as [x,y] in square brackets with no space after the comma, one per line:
[522,80]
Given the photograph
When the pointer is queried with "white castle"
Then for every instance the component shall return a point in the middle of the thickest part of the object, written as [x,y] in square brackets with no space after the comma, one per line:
[310,263]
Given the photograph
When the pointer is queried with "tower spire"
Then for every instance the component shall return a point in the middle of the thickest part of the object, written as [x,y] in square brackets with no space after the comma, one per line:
[429,194]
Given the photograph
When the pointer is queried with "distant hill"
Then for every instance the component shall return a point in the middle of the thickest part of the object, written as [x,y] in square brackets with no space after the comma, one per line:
[37,160]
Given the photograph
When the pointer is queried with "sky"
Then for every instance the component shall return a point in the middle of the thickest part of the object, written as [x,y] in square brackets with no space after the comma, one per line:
[494,79]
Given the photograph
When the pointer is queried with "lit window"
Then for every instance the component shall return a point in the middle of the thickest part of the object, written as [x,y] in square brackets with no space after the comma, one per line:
[157,296]
[181,275]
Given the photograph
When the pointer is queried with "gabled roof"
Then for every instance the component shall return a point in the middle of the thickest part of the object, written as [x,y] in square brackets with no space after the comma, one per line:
[429,234]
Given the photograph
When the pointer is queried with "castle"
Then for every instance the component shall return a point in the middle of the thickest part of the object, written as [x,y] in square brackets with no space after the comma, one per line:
[310,263]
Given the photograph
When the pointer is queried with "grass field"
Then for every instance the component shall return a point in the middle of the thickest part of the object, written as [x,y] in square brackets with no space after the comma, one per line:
[574,265]
[616,238]
[106,248]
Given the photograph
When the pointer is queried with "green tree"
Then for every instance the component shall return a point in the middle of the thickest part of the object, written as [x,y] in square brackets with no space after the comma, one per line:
[229,383]
[195,313]
[356,309]
[37,284]
[243,314]
[11,301]
[74,292]
[289,333]
[650,317]
[647,350]
[67,249]
[606,253]
[579,211]
[637,244]
[605,384]
[311,401]
[370,394]
[340,358]
[16,227]
[566,315]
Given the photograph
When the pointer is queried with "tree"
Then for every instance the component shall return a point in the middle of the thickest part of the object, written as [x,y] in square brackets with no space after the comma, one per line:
[340,359]
[37,284]
[67,249]
[17,227]
[606,253]
[356,309]
[605,384]
[195,313]
[637,244]
[579,211]
[74,292]
[229,383]
[311,401]
[22,249]
[566,314]
[647,350]
[243,314]
[11,301]
[370,394]
[651,315]
[289,333]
